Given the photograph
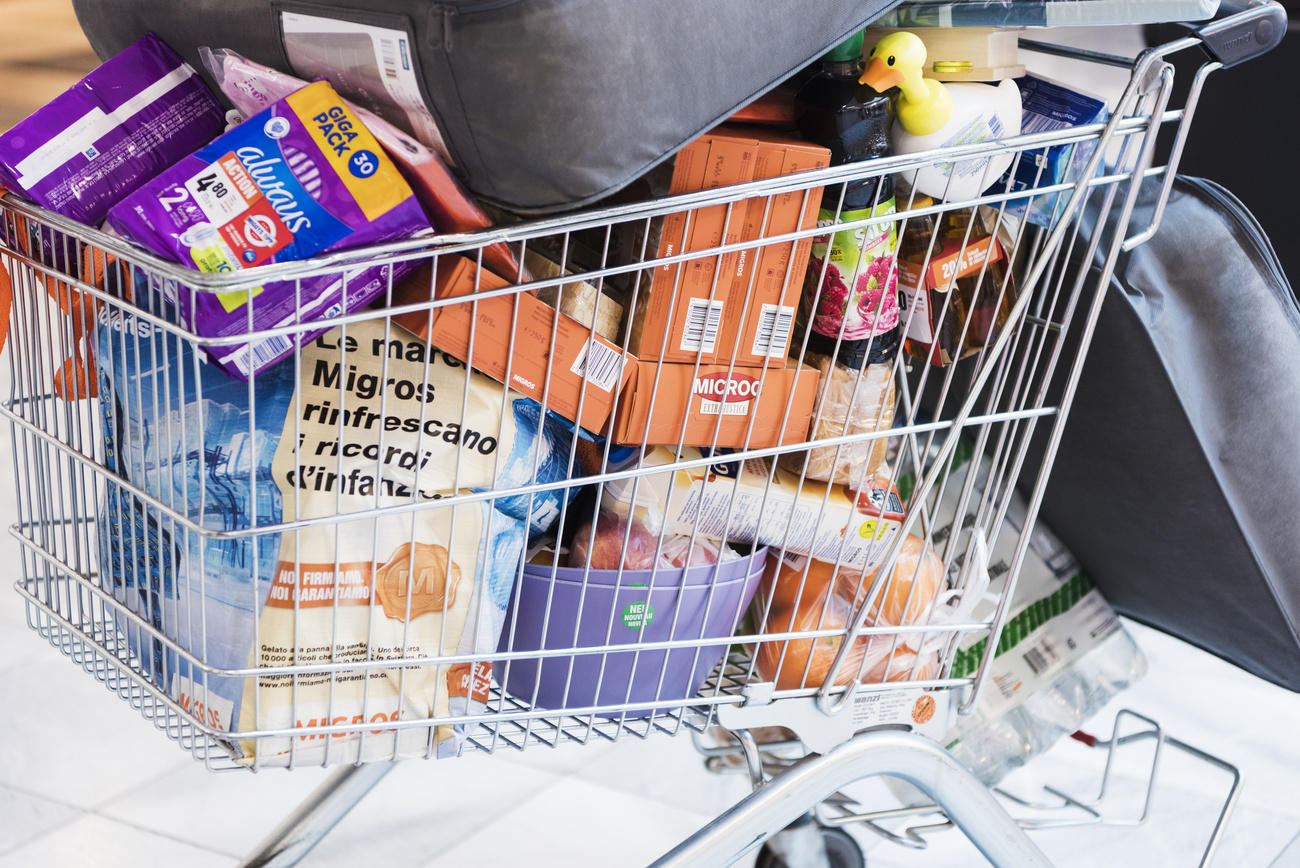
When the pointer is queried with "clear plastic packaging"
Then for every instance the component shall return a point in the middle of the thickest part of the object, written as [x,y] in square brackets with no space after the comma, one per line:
[1063,652]
[815,595]
[994,747]
[604,541]
[613,542]
[848,404]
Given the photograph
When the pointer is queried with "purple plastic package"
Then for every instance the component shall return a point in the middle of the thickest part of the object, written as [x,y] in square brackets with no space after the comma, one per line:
[136,114]
[301,178]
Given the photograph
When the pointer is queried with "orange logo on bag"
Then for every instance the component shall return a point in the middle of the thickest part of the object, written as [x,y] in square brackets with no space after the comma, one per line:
[434,587]
[923,710]
[470,679]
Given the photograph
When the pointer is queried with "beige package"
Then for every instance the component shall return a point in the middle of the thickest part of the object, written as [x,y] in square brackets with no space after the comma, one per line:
[408,585]
[578,299]
[847,404]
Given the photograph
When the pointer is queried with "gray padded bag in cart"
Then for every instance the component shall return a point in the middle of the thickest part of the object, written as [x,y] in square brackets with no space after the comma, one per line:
[1177,484]
[544,105]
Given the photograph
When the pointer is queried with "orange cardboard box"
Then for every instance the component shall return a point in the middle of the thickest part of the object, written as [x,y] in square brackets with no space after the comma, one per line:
[712,401]
[768,309]
[691,327]
[528,358]
[716,315]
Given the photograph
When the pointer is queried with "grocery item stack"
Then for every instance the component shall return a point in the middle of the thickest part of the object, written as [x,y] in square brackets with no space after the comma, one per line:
[712,334]
[730,340]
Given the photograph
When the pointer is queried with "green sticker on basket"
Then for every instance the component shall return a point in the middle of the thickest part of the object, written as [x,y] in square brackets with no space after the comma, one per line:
[637,615]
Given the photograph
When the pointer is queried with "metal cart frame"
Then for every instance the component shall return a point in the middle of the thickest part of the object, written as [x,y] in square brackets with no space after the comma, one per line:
[128,634]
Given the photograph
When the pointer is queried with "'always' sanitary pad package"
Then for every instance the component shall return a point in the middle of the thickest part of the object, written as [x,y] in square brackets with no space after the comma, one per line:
[301,178]
[137,114]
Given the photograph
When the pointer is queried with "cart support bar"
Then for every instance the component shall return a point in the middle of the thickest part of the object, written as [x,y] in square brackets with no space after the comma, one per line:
[316,816]
[911,758]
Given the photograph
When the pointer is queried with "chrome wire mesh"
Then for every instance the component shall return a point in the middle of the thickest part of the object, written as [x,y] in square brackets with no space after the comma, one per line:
[116,521]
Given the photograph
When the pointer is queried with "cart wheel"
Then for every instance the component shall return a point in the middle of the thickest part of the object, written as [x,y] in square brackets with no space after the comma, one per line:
[842,851]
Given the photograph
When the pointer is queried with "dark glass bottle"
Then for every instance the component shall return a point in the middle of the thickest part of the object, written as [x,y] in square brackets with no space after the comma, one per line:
[850,291]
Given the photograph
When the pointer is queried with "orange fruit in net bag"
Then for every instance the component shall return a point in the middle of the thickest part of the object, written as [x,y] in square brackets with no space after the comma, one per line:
[795,610]
[917,566]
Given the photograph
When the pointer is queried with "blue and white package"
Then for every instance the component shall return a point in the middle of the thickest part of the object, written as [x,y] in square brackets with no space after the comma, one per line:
[371,418]
[1044,13]
[1047,107]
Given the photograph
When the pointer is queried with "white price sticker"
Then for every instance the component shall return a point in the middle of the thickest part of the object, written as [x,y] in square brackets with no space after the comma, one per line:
[600,365]
[917,316]
[217,194]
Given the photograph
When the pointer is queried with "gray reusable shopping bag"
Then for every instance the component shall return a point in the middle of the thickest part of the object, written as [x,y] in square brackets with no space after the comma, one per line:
[544,105]
[1177,484]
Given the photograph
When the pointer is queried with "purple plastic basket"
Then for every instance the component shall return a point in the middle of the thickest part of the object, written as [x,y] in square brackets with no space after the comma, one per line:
[675,602]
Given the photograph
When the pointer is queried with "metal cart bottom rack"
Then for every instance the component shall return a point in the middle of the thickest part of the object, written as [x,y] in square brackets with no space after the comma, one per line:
[142,643]
[744,827]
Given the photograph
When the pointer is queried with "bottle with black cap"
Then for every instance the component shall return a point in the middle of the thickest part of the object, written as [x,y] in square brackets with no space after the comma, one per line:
[850,291]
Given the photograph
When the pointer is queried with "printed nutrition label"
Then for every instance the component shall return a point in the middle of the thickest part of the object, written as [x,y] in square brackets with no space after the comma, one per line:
[373,65]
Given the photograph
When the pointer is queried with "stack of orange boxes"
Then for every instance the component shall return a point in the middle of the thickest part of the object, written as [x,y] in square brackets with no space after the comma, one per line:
[712,334]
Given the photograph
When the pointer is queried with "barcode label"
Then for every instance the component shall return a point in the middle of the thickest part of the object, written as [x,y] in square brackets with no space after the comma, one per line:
[702,320]
[600,365]
[263,353]
[388,57]
[773,335]
[1040,657]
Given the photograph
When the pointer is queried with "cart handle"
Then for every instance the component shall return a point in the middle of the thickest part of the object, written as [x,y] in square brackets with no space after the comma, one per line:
[1244,30]
[1247,29]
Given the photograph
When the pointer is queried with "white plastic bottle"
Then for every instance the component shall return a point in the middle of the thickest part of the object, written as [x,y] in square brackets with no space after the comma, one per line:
[980,113]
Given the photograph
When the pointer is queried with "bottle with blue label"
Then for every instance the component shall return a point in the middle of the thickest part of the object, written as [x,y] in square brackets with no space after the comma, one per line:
[850,291]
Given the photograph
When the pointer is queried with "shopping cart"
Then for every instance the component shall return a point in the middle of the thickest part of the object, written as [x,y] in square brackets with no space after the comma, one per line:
[127,528]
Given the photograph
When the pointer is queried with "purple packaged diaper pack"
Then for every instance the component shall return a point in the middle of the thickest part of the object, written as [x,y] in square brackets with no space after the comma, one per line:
[301,178]
[135,115]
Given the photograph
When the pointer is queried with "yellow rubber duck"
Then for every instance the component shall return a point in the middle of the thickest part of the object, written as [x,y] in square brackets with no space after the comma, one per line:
[924,105]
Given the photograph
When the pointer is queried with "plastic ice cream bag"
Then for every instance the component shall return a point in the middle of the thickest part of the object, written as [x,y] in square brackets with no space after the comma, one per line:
[237,457]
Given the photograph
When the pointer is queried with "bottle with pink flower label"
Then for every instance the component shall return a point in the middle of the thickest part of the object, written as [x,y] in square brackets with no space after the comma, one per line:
[850,290]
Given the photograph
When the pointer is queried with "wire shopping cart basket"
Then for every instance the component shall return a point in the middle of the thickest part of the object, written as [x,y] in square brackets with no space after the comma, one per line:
[374,550]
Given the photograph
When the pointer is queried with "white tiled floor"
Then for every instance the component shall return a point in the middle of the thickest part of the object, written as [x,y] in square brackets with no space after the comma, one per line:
[83,781]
